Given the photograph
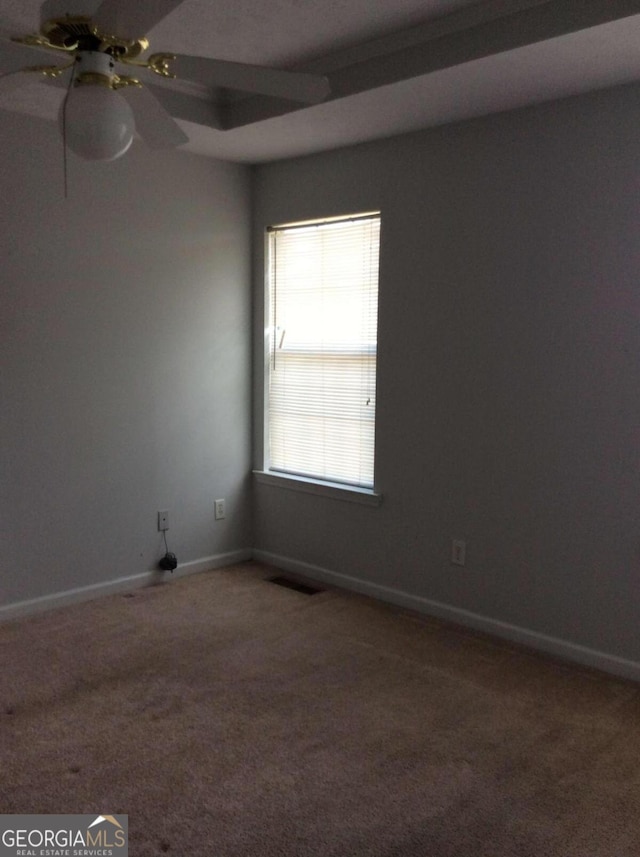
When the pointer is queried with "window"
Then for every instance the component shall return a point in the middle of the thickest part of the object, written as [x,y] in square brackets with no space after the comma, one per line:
[323,312]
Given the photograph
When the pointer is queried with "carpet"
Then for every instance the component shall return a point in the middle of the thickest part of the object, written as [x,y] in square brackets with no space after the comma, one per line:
[231,717]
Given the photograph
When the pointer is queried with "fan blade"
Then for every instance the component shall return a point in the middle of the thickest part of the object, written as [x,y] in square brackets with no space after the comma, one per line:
[17,66]
[153,123]
[12,80]
[292,85]
[14,55]
[133,20]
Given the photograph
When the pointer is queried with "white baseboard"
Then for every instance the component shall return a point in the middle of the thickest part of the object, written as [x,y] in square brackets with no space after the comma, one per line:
[541,642]
[121,584]
[532,639]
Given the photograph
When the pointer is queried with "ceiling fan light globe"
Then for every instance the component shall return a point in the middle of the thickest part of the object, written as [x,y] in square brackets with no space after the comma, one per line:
[99,124]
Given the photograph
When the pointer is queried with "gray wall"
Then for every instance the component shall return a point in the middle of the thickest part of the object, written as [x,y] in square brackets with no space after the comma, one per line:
[509,368]
[509,354]
[125,342]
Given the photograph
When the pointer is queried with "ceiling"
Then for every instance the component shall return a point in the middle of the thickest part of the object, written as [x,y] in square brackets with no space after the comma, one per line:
[394,65]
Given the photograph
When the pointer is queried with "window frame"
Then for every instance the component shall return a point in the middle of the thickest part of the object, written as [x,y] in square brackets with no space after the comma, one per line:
[290,481]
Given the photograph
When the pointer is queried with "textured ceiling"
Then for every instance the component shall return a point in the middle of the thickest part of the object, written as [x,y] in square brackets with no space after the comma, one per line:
[280,32]
[394,65]
[285,32]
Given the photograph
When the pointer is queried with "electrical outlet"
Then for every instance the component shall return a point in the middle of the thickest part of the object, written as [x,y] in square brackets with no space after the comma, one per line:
[458,552]
[163,521]
[220,510]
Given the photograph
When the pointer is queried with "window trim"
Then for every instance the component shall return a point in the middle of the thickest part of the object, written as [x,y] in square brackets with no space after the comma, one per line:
[307,485]
[370,496]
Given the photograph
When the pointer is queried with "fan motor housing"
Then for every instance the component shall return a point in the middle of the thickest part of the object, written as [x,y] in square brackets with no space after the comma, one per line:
[95,67]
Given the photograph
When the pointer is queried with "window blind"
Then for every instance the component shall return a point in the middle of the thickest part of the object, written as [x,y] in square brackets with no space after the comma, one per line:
[323,281]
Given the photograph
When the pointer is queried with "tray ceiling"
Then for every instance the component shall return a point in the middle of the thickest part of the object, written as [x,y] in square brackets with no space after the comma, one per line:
[394,65]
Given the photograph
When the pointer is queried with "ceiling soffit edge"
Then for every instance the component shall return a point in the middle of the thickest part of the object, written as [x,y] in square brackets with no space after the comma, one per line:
[468,34]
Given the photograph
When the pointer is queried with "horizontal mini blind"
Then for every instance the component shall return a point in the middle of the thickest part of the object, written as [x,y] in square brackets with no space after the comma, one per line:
[323,280]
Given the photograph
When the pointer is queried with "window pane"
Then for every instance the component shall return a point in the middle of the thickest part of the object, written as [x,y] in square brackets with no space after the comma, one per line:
[322,371]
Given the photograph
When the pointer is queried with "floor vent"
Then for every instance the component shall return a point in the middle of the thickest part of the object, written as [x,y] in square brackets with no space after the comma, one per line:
[293,584]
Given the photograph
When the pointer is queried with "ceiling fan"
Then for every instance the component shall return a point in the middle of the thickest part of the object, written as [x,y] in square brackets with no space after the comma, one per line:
[104,107]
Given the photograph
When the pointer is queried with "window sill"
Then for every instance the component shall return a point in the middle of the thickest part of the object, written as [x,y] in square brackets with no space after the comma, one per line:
[365,496]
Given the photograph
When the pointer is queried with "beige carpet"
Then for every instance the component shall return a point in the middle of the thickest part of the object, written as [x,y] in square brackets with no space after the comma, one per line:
[230,717]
